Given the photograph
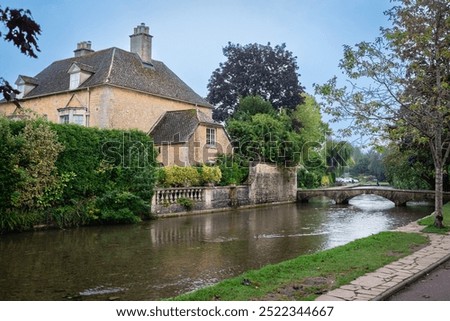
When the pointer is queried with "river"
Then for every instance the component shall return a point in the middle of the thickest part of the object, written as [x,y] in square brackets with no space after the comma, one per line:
[166,257]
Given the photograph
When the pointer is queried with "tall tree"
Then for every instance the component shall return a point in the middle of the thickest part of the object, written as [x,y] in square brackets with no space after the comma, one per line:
[307,121]
[408,168]
[338,156]
[402,80]
[254,70]
[261,135]
[252,105]
[22,31]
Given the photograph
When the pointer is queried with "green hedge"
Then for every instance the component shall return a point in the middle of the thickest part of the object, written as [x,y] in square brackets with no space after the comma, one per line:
[177,176]
[98,177]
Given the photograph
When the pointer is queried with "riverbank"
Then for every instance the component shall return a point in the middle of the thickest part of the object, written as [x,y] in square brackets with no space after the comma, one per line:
[339,270]
[308,276]
[389,279]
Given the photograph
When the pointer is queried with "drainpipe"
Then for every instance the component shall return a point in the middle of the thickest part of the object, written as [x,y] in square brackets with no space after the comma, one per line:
[88,106]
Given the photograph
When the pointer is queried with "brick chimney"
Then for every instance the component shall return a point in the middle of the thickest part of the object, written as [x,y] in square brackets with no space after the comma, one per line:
[141,43]
[83,48]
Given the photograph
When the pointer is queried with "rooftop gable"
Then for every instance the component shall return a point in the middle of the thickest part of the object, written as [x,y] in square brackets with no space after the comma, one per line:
[178,126]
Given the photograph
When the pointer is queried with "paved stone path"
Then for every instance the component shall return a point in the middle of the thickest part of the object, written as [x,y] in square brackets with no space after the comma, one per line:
[385,281]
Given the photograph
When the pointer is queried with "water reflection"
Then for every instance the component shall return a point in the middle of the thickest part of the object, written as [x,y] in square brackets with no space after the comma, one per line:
[171,256]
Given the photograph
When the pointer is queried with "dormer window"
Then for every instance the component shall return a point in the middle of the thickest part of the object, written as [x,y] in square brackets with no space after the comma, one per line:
[79,73]
[74,81]
[25,84]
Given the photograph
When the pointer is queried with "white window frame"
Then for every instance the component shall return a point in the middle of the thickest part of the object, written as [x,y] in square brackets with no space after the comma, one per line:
[64,119]
[21,88]
[73,115]
[211,137]
[79,119]
[74,80]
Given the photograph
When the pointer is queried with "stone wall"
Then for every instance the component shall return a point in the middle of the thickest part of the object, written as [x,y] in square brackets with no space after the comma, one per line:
[270,183]
[107,107]
[267,184]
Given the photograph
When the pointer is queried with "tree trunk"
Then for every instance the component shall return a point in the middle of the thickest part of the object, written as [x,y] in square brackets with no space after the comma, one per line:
[438,218]
[439,173]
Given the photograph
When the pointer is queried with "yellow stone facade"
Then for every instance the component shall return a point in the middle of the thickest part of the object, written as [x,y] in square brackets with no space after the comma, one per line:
[106,107]
[195,151]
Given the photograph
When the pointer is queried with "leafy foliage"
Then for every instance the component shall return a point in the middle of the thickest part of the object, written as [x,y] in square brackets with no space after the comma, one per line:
[38,154]
[178,176]
[254,70]
[69,175]
[307,121]
[186,202]
[266,138]
[7,90]
[9,158]
[22,31]
[370,163]
[210,174]
[121,207]
[252,105]
[338,156]
[405,170]
[234,169]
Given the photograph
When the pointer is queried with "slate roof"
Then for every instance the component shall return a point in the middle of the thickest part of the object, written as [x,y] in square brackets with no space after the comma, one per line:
[178,126]
[117,67]
[29,80]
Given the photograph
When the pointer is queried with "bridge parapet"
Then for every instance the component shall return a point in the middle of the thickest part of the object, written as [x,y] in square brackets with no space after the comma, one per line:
[343,195]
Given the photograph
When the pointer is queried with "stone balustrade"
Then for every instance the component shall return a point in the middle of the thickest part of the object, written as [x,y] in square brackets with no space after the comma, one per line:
[167,196]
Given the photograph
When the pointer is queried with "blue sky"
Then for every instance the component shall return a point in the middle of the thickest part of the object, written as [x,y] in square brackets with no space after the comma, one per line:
[188,36]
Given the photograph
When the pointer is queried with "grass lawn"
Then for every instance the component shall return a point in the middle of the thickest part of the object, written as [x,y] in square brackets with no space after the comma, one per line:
[308,276]
[428,222]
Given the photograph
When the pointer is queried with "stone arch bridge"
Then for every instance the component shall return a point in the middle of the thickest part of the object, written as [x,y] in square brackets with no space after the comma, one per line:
[343,195]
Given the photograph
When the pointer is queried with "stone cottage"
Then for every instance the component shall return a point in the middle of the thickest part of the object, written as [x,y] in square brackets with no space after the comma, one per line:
[115,88]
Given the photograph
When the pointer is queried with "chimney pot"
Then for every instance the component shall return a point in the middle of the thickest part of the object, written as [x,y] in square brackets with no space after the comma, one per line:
[83,48]
[141,43]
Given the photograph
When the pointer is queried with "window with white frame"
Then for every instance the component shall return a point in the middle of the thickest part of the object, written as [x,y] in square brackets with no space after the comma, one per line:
[21,88]
[79,73]
[78,119]
[74,80]
[64,119]
[73,115]
[211,137]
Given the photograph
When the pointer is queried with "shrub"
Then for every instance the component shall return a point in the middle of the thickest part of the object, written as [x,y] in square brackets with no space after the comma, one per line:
[121,207]
[234,169]
[325,180]
[186,202]
[13,220]
[70,175]
[69,216]
[9,176]
[309,178]
[161,177]
[177,176]
[210,174]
